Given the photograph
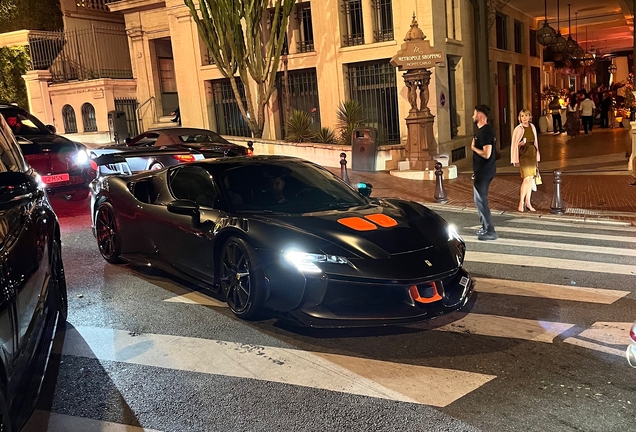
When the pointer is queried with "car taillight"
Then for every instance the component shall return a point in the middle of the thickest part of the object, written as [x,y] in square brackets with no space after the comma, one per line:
[632,333]
[250,152]
[94,165]
[184,158]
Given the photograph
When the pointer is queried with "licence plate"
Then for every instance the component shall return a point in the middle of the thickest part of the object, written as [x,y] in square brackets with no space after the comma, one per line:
[55,178]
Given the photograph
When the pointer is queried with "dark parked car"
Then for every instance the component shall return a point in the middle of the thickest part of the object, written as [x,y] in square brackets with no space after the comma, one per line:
[63,164]
[160,148]
[33,301]
[284,235]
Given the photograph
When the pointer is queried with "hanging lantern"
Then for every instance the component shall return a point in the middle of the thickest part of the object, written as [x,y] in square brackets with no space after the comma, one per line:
[612,69]
[578,52]
[588,59]
[560,44]
[546,35]
[571,45]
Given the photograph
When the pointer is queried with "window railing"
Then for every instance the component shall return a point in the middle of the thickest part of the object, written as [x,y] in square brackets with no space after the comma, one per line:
[383,20]
[352,11]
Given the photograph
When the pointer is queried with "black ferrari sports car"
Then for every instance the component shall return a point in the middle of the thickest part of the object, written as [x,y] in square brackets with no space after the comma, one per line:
[286,236]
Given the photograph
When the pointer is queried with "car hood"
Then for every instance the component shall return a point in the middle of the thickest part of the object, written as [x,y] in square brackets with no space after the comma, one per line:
[376,232]
[34,144]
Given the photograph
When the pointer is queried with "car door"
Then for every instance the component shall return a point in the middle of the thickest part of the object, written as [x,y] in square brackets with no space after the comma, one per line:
[25,250]
[186,241]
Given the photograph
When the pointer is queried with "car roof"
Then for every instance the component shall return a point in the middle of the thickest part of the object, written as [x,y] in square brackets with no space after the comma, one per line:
[248,160]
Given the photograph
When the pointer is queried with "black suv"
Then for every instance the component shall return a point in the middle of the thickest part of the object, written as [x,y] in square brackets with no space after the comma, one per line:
[33,299]
[64,165]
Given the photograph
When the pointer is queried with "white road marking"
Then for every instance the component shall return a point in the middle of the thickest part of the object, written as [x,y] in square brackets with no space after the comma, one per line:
[499,326]
[602,334]
[381,379]
[196,297]
[624,227]
[552,263]
[558,246]
[549,291]
[43,421]
[578,235]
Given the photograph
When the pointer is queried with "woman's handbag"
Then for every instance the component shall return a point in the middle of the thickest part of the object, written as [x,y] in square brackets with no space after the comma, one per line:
[537,178]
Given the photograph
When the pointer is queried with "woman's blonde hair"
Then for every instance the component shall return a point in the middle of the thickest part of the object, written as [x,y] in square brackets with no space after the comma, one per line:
[525,111]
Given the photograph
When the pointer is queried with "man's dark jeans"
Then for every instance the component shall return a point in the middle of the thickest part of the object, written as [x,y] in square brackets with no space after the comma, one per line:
[480,191]
[556,121]
[588,122]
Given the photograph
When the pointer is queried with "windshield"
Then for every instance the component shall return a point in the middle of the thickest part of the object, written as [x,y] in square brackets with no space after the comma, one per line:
[23,123]
[202,138]
[286,187]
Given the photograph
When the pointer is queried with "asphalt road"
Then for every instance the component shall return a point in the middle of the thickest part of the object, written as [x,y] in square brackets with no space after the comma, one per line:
[542,348]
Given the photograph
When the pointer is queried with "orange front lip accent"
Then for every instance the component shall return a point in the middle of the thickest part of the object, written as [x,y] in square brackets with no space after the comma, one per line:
[357,224]
[383,220]
[415,295]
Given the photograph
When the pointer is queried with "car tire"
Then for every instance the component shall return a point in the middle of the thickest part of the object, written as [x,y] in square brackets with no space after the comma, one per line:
[155,166]
[5,420]
[58,280]
[241,278]
[107,233]
[77,196]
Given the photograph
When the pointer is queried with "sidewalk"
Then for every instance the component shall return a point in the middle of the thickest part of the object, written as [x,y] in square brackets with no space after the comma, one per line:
[595,182]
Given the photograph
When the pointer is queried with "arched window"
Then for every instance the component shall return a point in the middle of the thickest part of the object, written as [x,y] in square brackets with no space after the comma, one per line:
[88,118]
[68,117]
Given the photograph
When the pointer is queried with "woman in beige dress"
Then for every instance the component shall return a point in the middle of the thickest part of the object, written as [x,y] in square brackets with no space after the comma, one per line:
[524,153]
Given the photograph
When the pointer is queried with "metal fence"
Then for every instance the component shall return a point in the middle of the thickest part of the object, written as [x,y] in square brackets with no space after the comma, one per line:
[129,106]
[303,95]
[374,85]
[81,54]
[229,120]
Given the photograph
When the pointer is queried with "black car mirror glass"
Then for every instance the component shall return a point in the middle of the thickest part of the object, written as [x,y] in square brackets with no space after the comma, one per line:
[364,189]
[51,128]
[16,188]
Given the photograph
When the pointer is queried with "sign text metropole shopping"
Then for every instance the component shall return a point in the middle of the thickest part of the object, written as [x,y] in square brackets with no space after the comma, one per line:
[417,54]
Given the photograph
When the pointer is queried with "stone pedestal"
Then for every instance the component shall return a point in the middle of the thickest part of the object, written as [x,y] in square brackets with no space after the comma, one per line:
[421,145]
[37,86]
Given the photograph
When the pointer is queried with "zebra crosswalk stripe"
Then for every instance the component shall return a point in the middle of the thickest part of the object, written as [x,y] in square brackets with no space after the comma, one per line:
[42,421]
[603,250]
[552,263]
[567,234]
[607,337]
[395,381]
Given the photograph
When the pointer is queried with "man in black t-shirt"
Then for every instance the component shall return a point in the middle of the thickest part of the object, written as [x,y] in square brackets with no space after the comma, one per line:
[484,169]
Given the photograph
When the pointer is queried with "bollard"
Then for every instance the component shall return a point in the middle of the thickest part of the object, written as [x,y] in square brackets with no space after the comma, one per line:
[440,194]
[557,207]
[343,168]
[116,137]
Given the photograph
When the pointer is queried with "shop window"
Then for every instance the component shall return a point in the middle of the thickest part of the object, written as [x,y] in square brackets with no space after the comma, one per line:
[502,31]
[354,30]
[68,117]
[518,30]
[306,43]
[88,118]
[383,20]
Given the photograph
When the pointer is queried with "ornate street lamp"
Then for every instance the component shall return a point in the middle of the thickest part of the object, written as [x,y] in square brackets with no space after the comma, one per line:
[560,44]
[546,35]
[612,69]
[571,45]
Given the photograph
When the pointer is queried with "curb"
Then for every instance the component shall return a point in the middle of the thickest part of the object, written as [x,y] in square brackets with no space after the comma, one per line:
[550,217]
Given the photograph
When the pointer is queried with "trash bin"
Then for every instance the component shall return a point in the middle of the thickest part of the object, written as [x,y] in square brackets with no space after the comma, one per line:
[117,125]
[364,148]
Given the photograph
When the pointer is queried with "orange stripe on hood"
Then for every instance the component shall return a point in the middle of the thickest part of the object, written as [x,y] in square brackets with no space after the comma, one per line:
[357,223]
[383,220]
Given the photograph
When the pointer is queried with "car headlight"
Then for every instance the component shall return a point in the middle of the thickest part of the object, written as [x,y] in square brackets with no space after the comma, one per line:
[453,234]
[306,262]
[82,158]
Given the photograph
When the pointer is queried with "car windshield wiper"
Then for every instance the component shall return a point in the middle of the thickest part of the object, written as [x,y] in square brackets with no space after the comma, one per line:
[340,205]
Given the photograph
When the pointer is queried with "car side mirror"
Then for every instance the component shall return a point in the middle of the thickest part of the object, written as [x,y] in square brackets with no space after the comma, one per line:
[17,188]
[51,128]
[364,189]
[186,208]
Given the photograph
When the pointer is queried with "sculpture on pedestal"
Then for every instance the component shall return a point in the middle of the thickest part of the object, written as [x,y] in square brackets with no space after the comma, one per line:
[416,57]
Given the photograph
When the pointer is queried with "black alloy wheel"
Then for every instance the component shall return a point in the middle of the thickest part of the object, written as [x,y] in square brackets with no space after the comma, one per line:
[108,238]
[241,280]
[58,281]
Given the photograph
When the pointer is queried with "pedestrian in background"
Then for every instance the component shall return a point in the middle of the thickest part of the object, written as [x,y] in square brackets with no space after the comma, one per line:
[606,105]
[587,113]
[573,122]
[555,109]
[484,169]
[524,153]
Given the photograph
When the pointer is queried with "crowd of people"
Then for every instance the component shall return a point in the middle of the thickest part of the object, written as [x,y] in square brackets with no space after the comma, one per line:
[582,107]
